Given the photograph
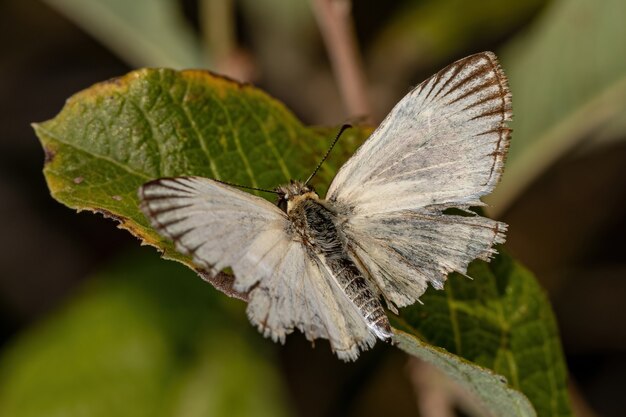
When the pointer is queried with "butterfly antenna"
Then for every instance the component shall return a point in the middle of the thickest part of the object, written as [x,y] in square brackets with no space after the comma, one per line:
[343,128]
[245,186]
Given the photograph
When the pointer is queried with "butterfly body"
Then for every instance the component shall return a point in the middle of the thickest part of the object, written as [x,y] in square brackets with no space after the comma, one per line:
[383,230]
[316,224]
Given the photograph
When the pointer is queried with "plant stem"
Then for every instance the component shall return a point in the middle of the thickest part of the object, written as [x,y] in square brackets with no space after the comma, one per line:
[335,22]
[218,30]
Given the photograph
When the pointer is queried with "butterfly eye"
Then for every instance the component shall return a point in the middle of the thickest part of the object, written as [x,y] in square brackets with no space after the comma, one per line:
[282,203]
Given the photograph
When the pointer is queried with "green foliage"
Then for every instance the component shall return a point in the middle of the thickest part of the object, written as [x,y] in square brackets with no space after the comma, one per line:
[145,338]
[111,138]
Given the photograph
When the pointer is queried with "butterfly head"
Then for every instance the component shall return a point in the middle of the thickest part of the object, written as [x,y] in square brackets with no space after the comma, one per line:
[290,195]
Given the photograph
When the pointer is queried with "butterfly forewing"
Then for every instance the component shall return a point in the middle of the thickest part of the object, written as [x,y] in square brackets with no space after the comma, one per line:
[444,143]
[198,216]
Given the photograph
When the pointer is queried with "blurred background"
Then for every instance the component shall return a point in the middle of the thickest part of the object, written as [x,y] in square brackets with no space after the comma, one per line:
[83,308]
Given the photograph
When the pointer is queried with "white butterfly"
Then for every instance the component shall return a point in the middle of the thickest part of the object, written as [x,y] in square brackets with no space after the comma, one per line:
[322,266]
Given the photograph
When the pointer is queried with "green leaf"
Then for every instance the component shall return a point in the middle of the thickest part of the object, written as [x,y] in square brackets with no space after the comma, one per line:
[111,138]
[500,320]
[568,83]
[143,338]
[488,388]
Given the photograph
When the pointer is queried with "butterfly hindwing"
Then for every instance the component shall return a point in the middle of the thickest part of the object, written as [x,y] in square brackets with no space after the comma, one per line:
[310,302]
[404,251]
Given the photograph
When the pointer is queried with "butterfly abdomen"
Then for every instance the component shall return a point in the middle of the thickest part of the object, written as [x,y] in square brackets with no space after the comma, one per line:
[317,227]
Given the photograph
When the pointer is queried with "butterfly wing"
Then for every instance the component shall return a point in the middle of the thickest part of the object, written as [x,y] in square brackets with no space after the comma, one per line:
[404,251]
[220,226]
[310,302]
[442,146]
[444,143]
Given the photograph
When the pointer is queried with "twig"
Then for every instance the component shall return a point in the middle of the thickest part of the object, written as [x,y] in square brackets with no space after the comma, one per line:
[579,405]
[431,389]
[217,28]
[335,23]
[437,394]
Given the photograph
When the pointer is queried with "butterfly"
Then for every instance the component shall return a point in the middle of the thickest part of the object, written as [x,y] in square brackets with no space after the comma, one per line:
[329,267]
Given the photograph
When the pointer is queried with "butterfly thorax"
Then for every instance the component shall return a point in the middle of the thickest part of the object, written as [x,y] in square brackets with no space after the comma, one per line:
[314,222]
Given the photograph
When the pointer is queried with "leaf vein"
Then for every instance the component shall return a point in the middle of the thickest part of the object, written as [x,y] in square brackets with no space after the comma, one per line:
[144,116]
[454,319]
[235,134]
[196,130]
[270,144]
[102,157]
